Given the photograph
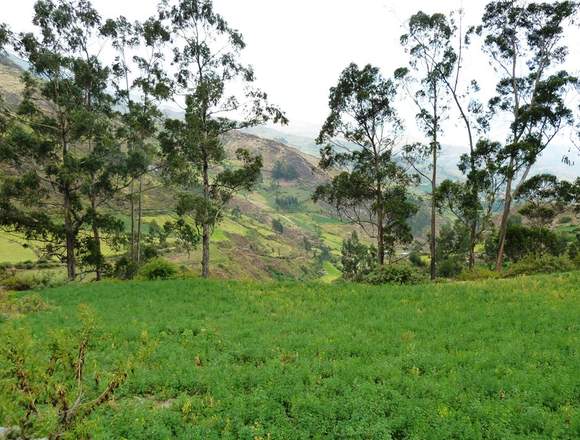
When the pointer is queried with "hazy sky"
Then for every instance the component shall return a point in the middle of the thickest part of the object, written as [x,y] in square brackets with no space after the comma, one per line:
[299,47]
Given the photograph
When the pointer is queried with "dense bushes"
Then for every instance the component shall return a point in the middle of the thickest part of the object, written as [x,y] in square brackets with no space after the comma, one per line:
[125,269]
[359,264]
[287,203]
[398,273]
[27,265]
[522,241]
[21,281]
[529,265]
[573,251]
[357,259]
[478,273]
[416,259]
[450,267]
[532,264]
[529,250]
[12,305]
[452,250]
[278,226]
[158,269]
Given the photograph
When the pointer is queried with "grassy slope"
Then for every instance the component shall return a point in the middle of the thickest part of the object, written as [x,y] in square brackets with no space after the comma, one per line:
[12,251]
[249,241]
[495,359]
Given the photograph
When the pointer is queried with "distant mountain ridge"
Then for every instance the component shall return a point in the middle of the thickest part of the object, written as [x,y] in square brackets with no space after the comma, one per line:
[303,143]
[550,162]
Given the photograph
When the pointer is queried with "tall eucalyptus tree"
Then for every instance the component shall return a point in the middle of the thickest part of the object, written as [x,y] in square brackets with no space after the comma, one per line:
[59,149]
[219,97]
[360,137]
[432,62]
[141,84]
[525,41]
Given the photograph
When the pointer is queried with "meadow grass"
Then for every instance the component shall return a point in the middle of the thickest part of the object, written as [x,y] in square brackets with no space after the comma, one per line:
[496,359]
[569,232]
[331,273]
[12,250]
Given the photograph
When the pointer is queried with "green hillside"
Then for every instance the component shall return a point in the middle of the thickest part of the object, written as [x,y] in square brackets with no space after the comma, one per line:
[494,360]
[244,245]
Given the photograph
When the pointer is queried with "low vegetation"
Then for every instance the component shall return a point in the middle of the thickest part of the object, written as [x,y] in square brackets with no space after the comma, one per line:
[49,386]
[487,359]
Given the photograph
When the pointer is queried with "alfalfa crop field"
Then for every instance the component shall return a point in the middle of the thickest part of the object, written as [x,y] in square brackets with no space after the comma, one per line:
[496,359]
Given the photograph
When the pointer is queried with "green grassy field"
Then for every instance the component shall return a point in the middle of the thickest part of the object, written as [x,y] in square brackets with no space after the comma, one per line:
[331,273]
[12,251]
[495,359]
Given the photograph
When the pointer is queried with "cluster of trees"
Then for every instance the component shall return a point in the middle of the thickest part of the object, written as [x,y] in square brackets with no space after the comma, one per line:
[526,46]
[89,139]
[287,203]
[542,198]
[284,171]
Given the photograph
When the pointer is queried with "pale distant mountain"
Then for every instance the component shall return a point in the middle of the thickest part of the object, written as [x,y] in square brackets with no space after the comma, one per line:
[303,142]
[303,135]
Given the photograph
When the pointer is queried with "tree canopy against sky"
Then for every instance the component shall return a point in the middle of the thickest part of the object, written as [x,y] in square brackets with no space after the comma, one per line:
[361,135]
[207,70]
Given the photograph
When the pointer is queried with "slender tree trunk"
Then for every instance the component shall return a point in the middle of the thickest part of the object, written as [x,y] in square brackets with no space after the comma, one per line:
[205,256]
[433,242]
[508,190]
[472,238]
[474,188]
[380,210]
[132,207]
[206,225]
[69,236]
[453,89]
[380,231]
[380,239]
[504,222]
[473,220]
[139,219]
[97,240]
[474,194]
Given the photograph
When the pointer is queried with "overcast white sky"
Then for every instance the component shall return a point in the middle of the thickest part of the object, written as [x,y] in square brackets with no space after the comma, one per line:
[299,47]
